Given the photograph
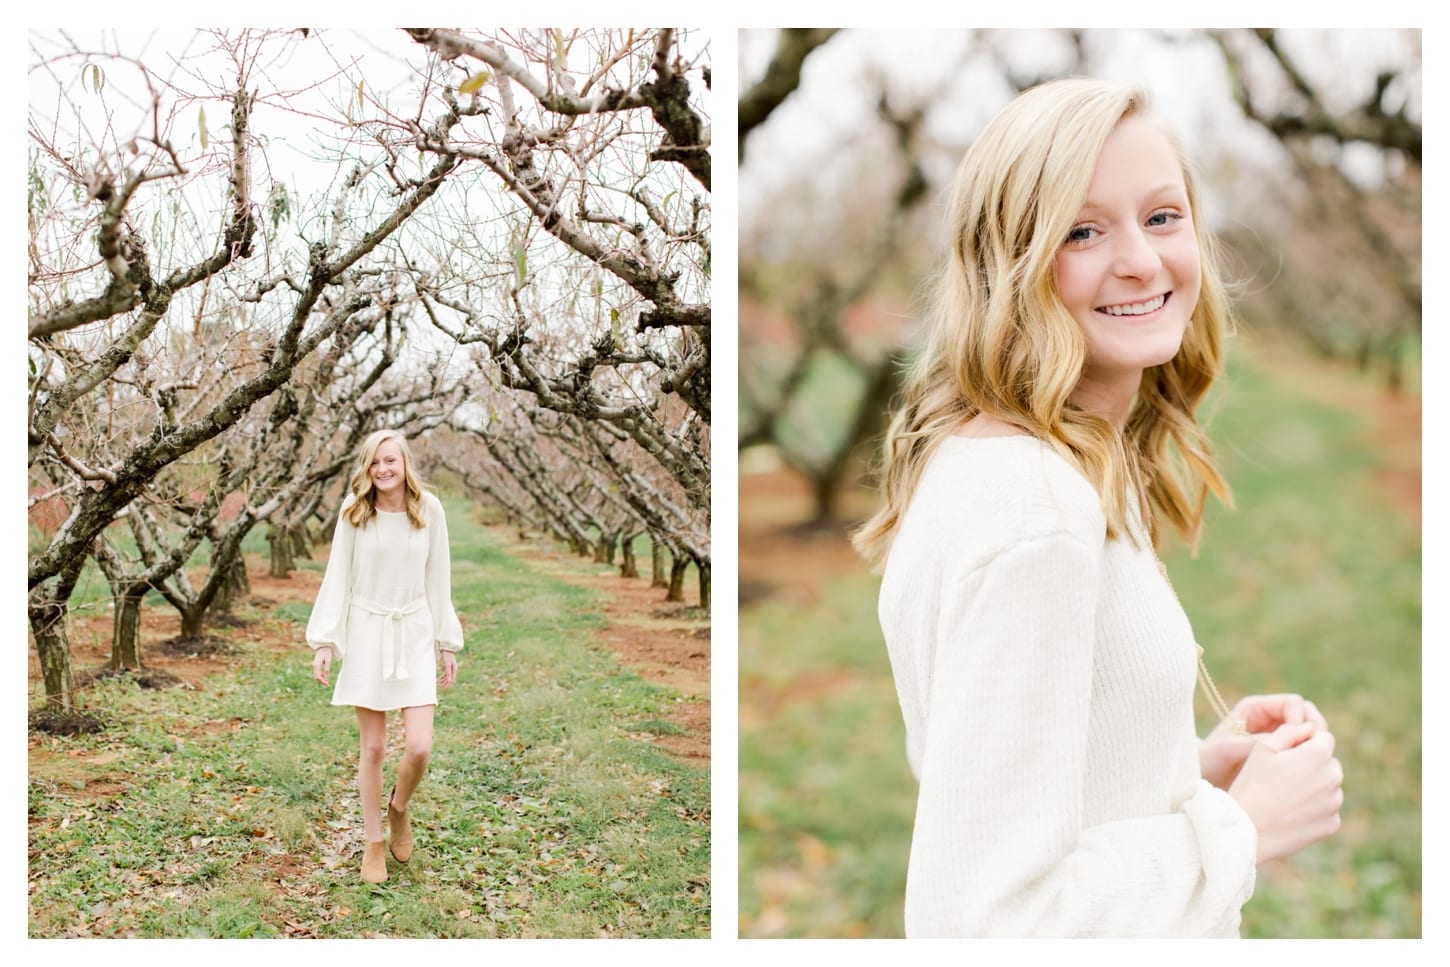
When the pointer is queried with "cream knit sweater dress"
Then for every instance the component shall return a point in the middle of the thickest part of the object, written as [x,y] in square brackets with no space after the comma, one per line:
[385,607]
[1046,677]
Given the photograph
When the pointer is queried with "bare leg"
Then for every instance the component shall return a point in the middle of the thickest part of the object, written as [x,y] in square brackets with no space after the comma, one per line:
[417,748]
[373,730]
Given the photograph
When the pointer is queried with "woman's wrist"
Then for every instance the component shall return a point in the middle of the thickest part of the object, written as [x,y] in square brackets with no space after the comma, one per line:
[1211,764]
[1221,755]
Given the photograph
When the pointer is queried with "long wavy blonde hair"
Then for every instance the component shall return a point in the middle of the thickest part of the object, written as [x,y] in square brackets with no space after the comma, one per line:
[1000,341]
[365,492]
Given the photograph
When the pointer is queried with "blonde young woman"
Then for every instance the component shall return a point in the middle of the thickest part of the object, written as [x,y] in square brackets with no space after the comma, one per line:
[1044,666]
[385,609]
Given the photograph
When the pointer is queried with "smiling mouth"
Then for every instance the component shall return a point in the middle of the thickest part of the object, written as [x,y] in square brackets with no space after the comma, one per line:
[1136,308]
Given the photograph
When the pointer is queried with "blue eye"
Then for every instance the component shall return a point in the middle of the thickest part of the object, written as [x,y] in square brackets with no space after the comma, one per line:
[1079,234]
[1160,218]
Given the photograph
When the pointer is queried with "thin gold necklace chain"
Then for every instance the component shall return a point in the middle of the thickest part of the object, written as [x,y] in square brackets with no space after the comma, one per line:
[1238,725]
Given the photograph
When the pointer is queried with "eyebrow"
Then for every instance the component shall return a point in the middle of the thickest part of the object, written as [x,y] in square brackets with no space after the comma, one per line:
[1158,190]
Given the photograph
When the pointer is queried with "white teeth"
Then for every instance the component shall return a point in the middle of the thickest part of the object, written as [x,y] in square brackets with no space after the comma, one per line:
[1136,308]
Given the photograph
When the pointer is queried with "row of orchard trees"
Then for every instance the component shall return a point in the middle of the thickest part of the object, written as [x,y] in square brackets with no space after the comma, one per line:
[249,249]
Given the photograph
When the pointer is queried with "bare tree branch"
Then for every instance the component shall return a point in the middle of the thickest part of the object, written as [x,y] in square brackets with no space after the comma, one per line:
[782,77]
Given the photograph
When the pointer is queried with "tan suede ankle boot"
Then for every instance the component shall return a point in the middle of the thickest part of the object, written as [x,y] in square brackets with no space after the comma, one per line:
[375,861]
[400,833]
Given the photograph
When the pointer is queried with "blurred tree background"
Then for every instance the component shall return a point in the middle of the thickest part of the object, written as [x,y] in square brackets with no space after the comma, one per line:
[1309,146]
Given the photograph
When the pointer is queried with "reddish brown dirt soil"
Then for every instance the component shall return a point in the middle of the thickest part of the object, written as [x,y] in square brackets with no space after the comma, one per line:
[90,635]
[781,560]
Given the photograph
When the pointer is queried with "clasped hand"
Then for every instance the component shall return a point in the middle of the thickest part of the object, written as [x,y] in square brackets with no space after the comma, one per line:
[1283,773]
[1222,752]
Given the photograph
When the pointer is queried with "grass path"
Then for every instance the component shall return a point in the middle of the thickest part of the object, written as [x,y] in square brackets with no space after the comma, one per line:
[229,810]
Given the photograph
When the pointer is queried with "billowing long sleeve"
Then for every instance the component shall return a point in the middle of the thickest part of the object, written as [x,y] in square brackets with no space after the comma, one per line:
[1036,765]
[328,624]
[438,582]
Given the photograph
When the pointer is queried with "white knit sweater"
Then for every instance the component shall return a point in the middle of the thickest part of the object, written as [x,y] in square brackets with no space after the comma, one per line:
[1046,677]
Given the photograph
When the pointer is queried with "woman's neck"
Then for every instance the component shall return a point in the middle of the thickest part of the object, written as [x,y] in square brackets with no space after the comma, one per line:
[1110,399]
[392,503]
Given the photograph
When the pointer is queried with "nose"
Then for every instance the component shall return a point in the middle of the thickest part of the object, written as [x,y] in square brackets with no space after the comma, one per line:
[1136,257]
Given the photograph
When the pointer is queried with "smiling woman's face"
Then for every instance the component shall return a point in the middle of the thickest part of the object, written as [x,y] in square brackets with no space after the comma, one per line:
[1129,269]
[387,467]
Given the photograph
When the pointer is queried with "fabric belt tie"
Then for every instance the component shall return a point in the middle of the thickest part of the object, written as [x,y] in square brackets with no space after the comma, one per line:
[395,658]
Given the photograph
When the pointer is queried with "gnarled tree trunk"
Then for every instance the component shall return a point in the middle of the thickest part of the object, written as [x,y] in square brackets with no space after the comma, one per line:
[126,629]
[658,578]
[235,584]
[283,545]
[628,567]
[47,624]
[46,609]
[678,563]
[704,569]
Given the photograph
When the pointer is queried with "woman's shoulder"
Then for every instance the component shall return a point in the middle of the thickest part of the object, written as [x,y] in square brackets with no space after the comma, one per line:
[1010,488]
[432,506]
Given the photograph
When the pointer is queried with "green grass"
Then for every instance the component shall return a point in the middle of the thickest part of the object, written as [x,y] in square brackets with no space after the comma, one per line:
[544,813]
[1311,585]
[825,794]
